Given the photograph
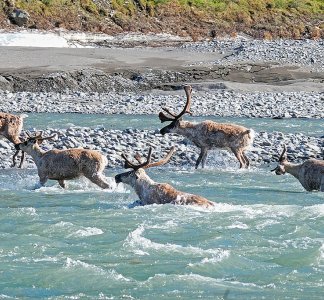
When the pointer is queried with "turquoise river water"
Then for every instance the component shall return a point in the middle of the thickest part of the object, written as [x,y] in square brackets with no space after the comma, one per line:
[263,240]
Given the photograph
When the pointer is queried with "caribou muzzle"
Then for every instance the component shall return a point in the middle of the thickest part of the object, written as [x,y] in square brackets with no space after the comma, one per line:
[165,130]
[118,178]
[277,170]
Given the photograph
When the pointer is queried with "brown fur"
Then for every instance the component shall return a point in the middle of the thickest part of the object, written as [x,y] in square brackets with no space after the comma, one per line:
[10,127]
[208,135]
[310,173]
[67,164]
[151,192]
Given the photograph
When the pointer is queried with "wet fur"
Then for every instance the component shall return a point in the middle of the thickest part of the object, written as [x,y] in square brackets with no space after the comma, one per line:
[310,173]
[208,135]
[67,164]
[11,127]
[151,192]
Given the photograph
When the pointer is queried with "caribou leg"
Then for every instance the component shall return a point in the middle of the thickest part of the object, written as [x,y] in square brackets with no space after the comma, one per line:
[202,156]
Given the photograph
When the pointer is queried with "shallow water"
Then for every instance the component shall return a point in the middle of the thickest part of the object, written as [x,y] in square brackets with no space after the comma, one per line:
[312,127]
[264,239]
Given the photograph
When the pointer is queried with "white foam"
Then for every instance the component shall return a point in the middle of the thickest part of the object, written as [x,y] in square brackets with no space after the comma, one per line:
[71,263]
[317,210]
[78,231]
[215,259]
[42,259]
[81,185]
[141,244]
[63,224]
[87,231]
[320,259]
[266,223]
[238,225]
[31,211]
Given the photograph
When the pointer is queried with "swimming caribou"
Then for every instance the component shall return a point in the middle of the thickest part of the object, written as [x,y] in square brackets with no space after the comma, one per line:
[65,164]
[208,134]
[310,173]
[10,127]
[151,192]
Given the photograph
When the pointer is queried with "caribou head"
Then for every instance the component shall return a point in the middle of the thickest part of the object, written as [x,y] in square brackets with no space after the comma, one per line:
[280,168]
[33,141]
[138,171]
[173,118]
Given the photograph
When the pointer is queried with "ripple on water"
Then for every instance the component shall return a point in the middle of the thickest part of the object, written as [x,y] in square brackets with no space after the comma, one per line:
[263,238]
[139,244]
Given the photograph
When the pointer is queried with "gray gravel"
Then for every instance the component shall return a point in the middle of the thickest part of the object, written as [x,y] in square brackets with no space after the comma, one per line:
[222,103]
[115,142]
[309,53]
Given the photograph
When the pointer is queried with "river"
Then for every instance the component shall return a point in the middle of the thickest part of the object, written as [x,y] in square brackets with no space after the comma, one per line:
[264,238]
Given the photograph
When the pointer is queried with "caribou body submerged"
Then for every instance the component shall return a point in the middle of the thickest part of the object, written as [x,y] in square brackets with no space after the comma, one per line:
[151,192]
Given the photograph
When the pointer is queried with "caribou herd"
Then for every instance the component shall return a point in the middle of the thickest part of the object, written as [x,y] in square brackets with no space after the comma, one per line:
[71,163]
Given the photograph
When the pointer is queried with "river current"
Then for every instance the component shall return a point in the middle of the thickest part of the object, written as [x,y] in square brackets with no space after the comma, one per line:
[264,239]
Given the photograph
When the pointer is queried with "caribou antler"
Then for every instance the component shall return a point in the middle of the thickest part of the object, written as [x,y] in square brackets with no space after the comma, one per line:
[139,158]
[41,139]
[283,155]
[164,118]
[129,164]
[39,136]
[147,164]
[162,161]
[186,110]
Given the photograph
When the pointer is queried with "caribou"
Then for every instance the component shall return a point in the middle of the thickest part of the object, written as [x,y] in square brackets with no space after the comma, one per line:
[65,164]
[310,173]
[151,192]
[208,134]
[10,127]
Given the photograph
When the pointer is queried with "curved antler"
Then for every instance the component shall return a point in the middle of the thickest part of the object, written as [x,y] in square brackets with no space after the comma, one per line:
[38,135]
[129,164]
[283,155]
[46,138]
[163,117]
[147,164]
[188,90]
[138,157]
[162,161]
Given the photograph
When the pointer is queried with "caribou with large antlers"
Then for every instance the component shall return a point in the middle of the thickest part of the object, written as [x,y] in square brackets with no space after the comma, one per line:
[65,164]
[310,173]
[10,128]
[151,192]
[208,134]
